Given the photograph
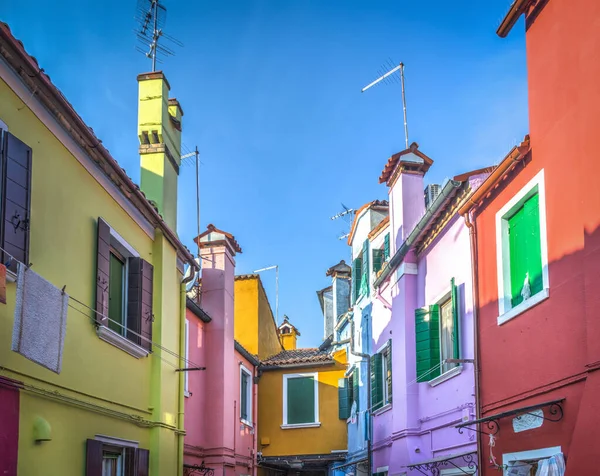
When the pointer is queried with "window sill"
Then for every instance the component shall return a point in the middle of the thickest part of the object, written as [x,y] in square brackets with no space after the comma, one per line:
[301,425]
[246,422]
[446,376]
[524,306]
[110,336]
[383,409]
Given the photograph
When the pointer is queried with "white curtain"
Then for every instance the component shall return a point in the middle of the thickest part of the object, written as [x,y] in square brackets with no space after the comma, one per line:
[553,466]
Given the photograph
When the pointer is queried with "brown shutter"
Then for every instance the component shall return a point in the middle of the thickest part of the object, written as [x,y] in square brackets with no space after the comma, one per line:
[143,462]
[139,302]
[102,272]
[130,461]
[16,198]
[93,459]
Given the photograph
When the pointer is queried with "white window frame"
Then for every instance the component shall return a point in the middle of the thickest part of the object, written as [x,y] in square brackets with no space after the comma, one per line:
[117,443]
[245,370]
[316,422]
[505,310]
[540,453]
[386,397]
[186,384]
[104,332]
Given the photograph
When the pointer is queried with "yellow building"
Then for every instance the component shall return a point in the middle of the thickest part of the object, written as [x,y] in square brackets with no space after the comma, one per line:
[255,326]
[112,403]
[299,425]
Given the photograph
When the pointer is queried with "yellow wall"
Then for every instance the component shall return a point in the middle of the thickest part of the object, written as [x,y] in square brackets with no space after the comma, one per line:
[66,203]
[331,435]
[254,326]
[289,340]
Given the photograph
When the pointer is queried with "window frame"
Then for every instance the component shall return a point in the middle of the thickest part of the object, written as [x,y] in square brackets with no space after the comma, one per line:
[316,423]
[384,351]
[506,311]
[249,388]
[539,453]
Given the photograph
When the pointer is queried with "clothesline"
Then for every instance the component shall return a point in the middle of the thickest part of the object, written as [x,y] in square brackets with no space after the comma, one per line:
[172,353]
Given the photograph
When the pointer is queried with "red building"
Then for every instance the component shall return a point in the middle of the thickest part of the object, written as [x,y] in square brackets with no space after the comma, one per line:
[536,239]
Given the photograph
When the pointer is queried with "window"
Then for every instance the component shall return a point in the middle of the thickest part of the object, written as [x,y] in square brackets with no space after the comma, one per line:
[245,395]
[360,273]
[123,294]
[348,394]
[522,255]
[109,456]
[381,377]
[300,400]
[377,260]
[437,334]
[15,198]
[551,459]
[186,388]
[386,247]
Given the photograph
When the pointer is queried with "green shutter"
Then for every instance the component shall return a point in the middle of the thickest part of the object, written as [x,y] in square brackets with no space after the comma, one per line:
[388,376]
[376,382]
[427,332]
[525,249]
[364,282]
[244,397]
[355,388]
[356,277]
[344,398]
[455,320]
[300,400]
[377,260]
[386,247]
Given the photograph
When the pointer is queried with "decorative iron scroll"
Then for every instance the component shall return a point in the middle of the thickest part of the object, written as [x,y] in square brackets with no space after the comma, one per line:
[492,425]
[189,470]
[434,468]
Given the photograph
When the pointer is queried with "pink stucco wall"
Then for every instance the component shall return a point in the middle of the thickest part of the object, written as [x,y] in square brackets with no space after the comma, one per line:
[215,433]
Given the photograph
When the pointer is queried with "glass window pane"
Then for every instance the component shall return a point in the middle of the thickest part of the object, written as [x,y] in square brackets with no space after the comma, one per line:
[446,325]
[116,293]
[301,400]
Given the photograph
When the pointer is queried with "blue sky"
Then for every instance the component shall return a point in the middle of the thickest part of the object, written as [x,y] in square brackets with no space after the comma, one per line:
[271,95]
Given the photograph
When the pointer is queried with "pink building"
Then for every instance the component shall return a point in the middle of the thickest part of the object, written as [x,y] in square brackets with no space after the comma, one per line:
[221,399]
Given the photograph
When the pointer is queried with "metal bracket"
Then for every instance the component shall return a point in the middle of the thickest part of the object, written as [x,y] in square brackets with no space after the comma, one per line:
[189,470]
[434,468]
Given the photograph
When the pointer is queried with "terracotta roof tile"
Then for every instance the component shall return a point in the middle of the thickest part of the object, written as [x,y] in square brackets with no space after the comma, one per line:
[390,166]
[297,356]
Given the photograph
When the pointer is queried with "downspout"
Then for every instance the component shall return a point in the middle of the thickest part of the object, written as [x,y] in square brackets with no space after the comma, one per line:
[181,400]
[475,285]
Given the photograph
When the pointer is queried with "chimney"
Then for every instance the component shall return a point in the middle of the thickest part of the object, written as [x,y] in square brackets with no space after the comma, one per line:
[217,255]
[159,133]
[335,300]
[288,334]
[403,174]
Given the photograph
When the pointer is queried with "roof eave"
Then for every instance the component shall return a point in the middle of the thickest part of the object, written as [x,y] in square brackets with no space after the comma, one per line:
[300,365]
[516,10]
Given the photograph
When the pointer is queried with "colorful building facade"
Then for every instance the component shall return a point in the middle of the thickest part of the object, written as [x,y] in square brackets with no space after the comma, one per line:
[221,391]
[535,226]
[113,403]
[424,350]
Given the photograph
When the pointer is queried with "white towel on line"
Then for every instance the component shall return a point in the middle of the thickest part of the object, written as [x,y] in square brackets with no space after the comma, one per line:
[40,320]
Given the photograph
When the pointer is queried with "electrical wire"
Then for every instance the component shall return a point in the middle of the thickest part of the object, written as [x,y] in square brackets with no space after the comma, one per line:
[188,362]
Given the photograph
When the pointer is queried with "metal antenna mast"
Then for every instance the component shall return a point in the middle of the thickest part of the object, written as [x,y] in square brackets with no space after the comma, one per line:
[346,214]
[151,16]
[400,68]
[196,153]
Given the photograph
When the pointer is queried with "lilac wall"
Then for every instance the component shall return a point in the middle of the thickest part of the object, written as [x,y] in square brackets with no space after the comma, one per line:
[420,425]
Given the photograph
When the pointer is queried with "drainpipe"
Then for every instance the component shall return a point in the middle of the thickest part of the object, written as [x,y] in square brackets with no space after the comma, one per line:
[475,285]
[181,401]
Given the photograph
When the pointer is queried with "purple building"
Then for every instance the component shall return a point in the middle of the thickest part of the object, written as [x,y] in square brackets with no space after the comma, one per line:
[422,372]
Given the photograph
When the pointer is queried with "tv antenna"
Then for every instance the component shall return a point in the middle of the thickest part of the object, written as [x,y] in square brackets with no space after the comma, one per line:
[151,16]
[346,215]
[387,77]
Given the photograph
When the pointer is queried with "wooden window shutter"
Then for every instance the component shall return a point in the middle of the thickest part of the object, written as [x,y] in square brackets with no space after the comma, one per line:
[427,332]
[455,320]
[102,272]
[130,462]
[344,398]
[376,382]
[16,198]
[377,260]
[388,376]
[386,247]
[142,462]
[356,278]
[301,400]
[139,302]
[93,458]
[364,284]
[355,388]
[244,380]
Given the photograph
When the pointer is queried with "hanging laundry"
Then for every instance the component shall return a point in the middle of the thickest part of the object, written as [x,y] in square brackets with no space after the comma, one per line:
[526,291]
[40,321]
[2,283]
[553,466]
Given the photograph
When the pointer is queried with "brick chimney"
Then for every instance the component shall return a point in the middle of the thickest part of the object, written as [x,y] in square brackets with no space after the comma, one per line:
[159,133]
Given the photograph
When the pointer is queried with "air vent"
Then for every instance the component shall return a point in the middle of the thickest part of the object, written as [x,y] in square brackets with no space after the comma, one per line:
[431,193]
